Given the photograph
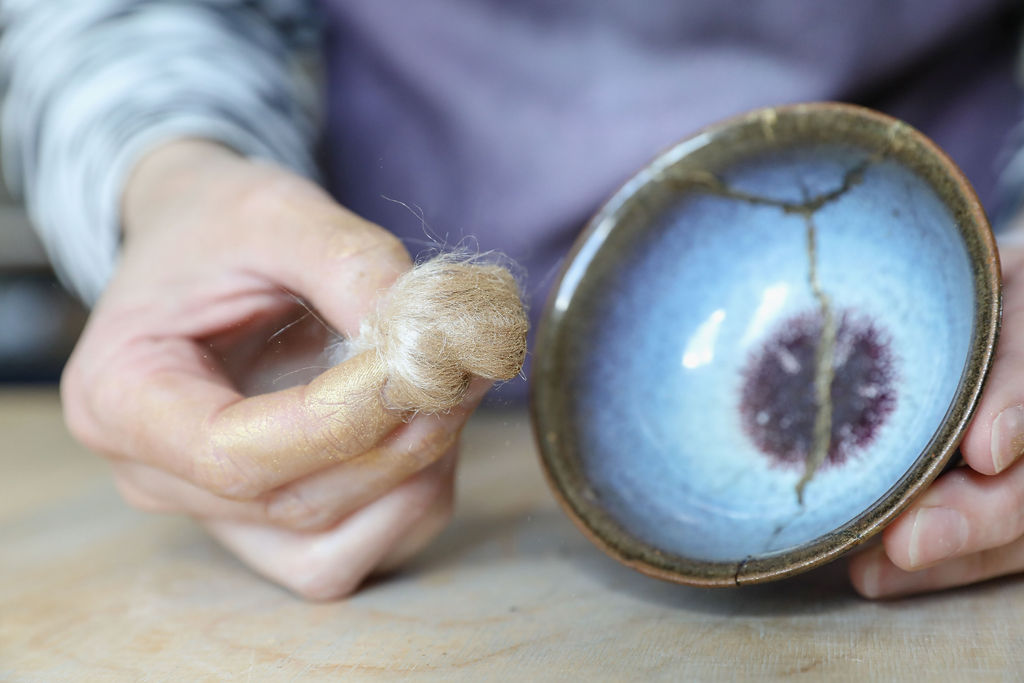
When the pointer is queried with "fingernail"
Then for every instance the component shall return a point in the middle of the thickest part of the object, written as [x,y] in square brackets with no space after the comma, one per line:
[870,585]
[938,533]
[1007,437]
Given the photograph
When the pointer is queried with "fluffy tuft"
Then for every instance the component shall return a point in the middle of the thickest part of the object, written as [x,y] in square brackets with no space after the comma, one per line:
[442,323]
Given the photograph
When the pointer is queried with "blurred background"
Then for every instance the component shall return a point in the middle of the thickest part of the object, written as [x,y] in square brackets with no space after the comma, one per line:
[945,90]
[39,320]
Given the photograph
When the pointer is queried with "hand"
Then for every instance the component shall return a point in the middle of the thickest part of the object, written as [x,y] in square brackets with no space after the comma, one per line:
[969,526]
[314,486]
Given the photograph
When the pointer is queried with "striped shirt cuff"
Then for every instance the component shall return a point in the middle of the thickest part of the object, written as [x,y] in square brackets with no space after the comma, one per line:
[92,86]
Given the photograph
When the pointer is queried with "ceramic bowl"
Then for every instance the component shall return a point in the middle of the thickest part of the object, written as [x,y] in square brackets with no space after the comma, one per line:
[766,344]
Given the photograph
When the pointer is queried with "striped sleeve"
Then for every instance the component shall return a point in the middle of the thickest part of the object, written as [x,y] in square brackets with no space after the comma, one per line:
[91,85]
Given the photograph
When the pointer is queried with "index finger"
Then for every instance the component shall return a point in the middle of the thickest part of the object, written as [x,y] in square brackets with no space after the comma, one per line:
[205,432]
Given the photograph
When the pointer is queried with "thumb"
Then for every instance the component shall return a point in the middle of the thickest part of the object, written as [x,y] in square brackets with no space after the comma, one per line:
[335,260]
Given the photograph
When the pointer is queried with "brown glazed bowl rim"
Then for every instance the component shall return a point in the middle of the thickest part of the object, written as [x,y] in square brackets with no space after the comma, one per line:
[956,193]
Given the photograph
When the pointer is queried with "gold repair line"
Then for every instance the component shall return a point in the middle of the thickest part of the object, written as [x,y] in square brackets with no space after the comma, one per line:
[824,356]
[824,370]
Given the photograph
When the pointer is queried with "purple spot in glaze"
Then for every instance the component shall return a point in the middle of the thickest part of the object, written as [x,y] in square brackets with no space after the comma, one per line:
[777,402]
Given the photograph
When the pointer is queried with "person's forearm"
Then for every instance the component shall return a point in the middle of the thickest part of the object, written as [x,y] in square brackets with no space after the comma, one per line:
[93,88]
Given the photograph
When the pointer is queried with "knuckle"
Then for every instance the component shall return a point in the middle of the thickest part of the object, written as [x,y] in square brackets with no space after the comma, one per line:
[344,245]
[391,245]
[290,509]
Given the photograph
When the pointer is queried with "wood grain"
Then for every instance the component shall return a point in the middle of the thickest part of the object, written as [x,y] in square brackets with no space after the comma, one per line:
[91,590]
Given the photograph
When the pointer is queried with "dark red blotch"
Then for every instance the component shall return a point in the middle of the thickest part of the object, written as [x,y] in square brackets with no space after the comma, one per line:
[777,403]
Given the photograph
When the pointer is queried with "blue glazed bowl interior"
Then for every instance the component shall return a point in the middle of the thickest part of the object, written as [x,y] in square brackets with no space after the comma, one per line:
[692,357]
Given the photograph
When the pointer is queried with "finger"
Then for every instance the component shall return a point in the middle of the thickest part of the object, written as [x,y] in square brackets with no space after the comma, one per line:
[288,237]
[318,501]
[874,575]
[202,430]
[429,525]
[961,514]
[325,497]
[995,438]
[167,398]
[339,262]
[331,564]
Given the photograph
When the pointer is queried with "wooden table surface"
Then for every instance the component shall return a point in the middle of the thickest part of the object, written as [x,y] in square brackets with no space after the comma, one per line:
[91,590]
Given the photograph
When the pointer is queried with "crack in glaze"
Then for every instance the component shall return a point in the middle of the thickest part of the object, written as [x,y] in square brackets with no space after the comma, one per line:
[711,183]
[741,567]
[824,371]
